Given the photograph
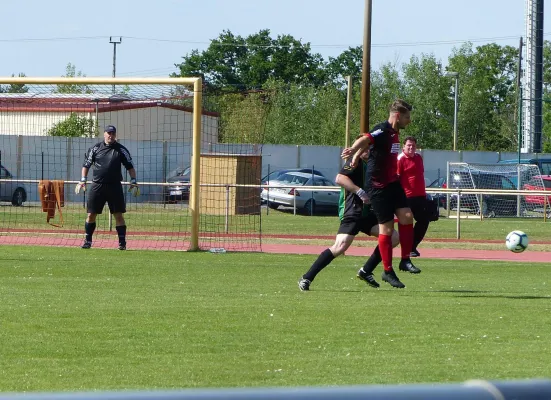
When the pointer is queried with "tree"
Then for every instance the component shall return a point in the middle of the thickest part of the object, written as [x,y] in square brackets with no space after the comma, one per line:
[236,63]
[487,93]
[348,63]
[428,91]
[73,88]
[14,88]
[74,126]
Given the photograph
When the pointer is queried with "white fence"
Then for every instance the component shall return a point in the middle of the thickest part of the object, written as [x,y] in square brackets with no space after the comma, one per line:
[33,157]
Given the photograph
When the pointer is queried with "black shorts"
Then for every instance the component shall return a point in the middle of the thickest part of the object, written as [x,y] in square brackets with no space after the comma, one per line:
[353,225]
[101,193]
[419,208]
[387,200]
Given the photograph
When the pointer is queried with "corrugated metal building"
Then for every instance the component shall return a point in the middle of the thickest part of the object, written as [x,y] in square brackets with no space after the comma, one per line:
[158,119]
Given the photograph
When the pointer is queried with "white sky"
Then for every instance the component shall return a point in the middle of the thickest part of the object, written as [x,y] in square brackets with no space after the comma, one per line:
[155,35]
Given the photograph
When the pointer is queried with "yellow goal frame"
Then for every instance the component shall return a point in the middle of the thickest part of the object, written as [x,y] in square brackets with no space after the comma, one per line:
[197,84]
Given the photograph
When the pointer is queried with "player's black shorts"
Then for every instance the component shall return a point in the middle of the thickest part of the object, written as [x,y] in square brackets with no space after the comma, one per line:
[387,200]
[101,193]
[352,225]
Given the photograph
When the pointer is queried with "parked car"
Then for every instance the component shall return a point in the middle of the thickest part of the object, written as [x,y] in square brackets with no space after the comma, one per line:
[534,202]
[440,197]
[178,189]
[492,205]
[307,200]
[544,164]
[12,191]
[274,175]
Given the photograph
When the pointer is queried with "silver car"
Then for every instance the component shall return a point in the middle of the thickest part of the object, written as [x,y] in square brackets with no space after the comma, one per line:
[11,190]
[307,200]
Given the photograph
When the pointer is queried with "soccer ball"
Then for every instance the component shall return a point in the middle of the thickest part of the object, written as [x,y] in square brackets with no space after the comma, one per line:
[516,241]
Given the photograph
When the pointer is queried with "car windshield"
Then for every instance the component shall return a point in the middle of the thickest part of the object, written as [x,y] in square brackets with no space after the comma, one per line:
[293,179]
[180,171]
[271,176]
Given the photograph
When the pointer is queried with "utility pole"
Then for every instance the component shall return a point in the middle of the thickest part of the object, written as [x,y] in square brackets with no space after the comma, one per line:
[115,40]
[520,102]
[366,69]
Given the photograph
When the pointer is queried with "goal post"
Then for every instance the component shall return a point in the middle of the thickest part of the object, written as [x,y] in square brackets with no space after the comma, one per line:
[497,180]
[156,118]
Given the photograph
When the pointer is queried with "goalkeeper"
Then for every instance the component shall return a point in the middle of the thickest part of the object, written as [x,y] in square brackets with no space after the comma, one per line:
[106,158]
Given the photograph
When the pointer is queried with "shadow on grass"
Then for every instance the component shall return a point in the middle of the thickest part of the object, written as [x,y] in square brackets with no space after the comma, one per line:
[489,294]
[513,297]
[460,291]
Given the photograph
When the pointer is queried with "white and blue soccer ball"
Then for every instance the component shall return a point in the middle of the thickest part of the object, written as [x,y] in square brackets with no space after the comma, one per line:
[516,241]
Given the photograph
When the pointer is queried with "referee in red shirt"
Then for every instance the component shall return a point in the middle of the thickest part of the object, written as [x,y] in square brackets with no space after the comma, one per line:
[412,177]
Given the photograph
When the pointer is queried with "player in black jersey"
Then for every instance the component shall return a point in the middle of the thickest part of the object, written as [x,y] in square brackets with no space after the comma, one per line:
[356,216]
[106,158]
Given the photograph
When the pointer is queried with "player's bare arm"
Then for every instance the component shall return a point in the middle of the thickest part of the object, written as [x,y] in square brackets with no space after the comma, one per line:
[346,183]
[358,148]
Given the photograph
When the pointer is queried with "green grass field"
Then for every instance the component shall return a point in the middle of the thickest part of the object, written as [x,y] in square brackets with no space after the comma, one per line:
[76,320]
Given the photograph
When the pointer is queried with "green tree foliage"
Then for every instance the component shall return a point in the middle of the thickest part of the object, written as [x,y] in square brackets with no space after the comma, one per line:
[429,91]
[348,63]
[73,88]
[301,99]
[305,114]
[14,88]
[247,63]
[487,96]
[74,126]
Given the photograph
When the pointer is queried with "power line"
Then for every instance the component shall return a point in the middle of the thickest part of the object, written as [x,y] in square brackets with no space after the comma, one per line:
[400,44]
[52,39]
[396,44]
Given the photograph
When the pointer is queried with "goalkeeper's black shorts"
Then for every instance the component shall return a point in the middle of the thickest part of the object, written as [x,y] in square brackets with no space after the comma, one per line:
[354,225]
[101,193]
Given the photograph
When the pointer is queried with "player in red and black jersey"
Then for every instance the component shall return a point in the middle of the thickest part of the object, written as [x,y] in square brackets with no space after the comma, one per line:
[384,189]
[356,216]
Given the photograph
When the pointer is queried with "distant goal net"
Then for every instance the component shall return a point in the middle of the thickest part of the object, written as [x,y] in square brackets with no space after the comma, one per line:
[494,181]
[197,185]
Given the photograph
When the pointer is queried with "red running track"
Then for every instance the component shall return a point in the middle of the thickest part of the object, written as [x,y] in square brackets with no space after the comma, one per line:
[138,244]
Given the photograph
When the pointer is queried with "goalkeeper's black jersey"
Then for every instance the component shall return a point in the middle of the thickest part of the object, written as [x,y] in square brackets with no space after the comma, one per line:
[350,204]
[107,161]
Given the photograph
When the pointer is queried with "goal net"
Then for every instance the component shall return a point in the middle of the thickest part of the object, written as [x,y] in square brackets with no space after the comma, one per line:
[197,158]
[497,177]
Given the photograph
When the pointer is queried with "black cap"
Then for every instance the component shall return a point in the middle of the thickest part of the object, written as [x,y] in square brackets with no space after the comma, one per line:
[111,129]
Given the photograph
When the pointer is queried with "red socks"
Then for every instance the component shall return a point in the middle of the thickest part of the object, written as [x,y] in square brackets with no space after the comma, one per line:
[385,247]
[406,239]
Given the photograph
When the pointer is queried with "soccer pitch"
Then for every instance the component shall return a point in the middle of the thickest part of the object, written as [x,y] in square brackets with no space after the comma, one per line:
[75,320]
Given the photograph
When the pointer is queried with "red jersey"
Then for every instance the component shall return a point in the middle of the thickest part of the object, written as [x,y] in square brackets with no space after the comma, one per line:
[412,174]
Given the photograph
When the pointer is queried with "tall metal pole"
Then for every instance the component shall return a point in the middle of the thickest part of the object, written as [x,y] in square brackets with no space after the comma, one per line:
[456,108]
[115,43]
[538,79]
[520,103]
[348,102]
[366,70]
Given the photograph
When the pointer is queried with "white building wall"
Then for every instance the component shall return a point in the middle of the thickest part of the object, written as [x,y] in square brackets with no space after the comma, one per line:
[153,123]
[45,157]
